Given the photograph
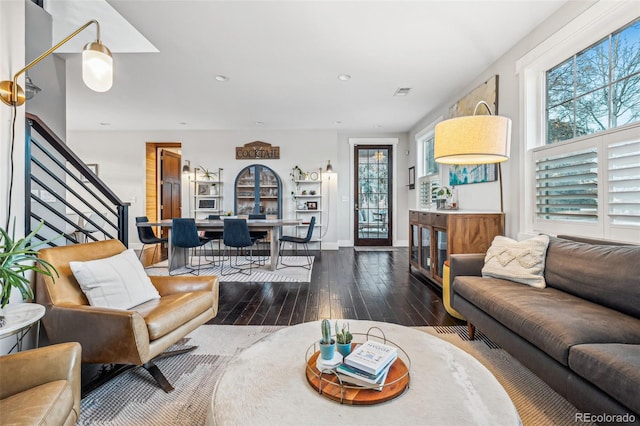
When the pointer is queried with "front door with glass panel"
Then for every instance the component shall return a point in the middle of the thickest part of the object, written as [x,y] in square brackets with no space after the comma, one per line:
[373,179]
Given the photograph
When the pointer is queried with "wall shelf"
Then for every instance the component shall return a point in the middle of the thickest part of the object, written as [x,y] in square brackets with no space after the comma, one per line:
[297,198]
[207,195]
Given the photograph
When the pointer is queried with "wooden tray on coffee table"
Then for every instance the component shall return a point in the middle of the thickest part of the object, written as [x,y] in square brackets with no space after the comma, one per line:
[328,384]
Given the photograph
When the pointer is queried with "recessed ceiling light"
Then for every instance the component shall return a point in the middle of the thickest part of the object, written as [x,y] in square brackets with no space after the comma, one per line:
[259,123]
[337,122]
[105,124]
[222,77]
[183,123]
[344,77]
[402,91]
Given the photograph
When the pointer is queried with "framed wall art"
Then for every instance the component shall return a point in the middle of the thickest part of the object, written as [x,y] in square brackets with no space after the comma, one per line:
[93,168]
[472,173]
[475,173]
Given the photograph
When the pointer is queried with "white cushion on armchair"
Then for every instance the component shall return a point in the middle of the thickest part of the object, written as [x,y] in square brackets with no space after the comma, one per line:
[118,282]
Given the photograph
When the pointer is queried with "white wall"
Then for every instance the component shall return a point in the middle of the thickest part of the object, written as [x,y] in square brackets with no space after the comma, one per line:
[49,74]
[485,196]
[121,159]
[12,33]
[12,51]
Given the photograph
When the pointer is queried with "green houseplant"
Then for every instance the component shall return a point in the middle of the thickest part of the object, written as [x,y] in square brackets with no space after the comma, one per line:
[343,337]
[327,344]
[442,194]
[17,257]
[206,174]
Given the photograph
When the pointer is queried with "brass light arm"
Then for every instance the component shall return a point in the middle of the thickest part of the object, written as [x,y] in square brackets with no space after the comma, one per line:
[12,93]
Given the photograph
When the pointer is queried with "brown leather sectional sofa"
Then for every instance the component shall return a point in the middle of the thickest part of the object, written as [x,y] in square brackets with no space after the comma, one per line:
[580,334]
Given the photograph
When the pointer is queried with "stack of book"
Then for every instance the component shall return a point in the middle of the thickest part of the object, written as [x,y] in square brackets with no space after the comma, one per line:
[368,365]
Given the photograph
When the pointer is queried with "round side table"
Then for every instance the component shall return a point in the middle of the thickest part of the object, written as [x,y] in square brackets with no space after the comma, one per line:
[20,319]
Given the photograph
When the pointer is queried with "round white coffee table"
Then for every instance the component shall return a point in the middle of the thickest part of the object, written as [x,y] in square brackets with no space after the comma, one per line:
[266,384]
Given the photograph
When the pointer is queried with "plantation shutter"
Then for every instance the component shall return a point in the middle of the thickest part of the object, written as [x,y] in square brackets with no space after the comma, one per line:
[624,183]
[567,186]
[427,185]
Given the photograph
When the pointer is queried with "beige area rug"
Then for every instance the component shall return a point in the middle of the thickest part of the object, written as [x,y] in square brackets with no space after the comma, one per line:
[261,274]
[134,399]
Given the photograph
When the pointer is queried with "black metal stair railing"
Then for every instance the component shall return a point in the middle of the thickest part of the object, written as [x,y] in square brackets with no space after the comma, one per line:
[62,192]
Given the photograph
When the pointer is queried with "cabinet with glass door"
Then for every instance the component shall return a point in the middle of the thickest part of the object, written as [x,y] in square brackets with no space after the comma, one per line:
[435,235]
[258,190]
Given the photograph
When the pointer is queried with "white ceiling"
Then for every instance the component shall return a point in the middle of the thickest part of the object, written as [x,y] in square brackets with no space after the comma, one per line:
[283,59]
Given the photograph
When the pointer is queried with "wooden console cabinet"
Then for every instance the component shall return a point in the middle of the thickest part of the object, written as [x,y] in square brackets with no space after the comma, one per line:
[434,235]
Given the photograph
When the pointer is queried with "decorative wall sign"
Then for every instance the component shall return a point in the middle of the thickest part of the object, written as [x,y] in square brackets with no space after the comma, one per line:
[257,151]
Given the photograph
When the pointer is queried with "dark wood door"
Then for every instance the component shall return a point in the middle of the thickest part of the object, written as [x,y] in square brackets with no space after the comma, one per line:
[170,182]
[373,195]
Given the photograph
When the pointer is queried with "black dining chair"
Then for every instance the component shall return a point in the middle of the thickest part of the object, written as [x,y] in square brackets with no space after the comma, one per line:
[236,235]
[184,234]
[260,237]
[214,235]
[147,236]
[298,241]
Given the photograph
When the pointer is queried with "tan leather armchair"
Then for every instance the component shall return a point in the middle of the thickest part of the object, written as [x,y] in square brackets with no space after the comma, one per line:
[41,386]
[112,336]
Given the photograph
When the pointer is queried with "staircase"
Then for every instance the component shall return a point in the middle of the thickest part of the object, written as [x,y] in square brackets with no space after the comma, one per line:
[60,190]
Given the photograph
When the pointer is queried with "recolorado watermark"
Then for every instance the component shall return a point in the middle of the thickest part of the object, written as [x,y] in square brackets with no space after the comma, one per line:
[604,418]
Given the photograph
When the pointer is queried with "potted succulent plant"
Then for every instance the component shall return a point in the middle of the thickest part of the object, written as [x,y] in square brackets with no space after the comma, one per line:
[344,337]
[16,258]
[327,344]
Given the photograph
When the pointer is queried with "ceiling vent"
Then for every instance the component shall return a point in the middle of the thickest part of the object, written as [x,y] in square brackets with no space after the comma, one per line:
[402,91]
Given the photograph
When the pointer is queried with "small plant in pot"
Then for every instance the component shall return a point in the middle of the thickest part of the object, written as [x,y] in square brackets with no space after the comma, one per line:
[344,337]
[327,344]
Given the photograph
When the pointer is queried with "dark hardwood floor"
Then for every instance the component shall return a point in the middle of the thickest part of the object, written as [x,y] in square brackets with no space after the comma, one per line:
[345,284]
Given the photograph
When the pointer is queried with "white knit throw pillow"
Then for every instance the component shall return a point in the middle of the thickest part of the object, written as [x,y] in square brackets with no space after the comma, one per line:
[519,261]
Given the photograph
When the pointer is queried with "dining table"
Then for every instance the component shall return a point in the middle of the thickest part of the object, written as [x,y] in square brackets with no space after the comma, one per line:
[272,226]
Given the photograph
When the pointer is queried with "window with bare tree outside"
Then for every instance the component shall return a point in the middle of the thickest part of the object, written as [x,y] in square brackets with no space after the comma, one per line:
[596,89]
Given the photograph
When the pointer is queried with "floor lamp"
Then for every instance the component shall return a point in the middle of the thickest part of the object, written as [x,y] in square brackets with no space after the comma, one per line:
[474,139]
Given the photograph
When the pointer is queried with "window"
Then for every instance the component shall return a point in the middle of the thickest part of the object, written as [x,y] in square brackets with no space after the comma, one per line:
[427,196]
[624,183]
[596,89]
[428,170]
[567,186]
[590,186]
[581,127]
[430,166]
